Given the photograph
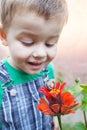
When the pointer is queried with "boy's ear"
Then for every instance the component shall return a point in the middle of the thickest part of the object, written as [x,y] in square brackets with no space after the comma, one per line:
[2,34]
[3,37]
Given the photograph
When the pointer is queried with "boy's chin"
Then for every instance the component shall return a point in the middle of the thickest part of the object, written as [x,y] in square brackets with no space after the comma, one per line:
[34,72]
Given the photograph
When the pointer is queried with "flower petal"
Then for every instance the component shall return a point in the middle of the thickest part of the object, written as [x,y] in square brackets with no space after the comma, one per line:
[68,99]
[46,92]
[44,107]
[55,108]
[58,85]
[62,87]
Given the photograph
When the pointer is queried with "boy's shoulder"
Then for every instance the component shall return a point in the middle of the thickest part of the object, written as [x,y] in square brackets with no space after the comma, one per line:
[1,65]
[4,76]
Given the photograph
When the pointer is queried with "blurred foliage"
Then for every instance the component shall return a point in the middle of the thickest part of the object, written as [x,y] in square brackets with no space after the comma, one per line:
[77,126]
[59,77]
[68,126]
[78,90]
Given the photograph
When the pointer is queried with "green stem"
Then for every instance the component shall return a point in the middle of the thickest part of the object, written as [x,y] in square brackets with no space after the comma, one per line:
[59,121]
[84,114]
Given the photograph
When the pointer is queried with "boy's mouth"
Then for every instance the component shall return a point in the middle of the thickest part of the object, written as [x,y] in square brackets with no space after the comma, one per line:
[34,63]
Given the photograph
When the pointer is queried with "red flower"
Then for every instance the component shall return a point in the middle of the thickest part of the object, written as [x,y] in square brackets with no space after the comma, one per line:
[59,102]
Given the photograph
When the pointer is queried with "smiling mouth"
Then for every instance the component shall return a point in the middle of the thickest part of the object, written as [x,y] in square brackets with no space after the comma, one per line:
[34,64]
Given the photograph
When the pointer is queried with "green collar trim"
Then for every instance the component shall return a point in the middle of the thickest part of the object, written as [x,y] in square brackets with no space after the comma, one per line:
[20,77]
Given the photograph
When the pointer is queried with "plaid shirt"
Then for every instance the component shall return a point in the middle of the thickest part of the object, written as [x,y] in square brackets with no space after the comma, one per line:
[20,112]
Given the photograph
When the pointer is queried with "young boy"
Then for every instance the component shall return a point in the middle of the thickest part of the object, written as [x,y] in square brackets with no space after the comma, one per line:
[31,29]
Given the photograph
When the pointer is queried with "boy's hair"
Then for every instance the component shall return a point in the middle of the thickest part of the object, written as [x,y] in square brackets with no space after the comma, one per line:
[43,8]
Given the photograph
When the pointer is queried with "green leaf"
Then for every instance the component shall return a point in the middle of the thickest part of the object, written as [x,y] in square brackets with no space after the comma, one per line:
[84,100]
[80,126]
[83,107]
[84,87]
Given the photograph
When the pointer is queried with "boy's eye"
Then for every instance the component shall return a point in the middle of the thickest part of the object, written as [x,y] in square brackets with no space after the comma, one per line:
[50,44]
[27,43]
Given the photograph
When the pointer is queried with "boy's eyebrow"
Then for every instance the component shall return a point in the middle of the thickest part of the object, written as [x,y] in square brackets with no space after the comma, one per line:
[35,35]
[27,34]
[24,33]
[28,27]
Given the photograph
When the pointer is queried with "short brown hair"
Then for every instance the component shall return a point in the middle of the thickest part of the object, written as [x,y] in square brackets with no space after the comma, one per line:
[46,8]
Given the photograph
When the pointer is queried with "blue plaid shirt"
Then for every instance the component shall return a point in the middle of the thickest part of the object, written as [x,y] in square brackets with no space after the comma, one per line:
[20,112]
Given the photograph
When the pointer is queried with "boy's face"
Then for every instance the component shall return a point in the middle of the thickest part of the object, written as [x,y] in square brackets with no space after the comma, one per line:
[32,41]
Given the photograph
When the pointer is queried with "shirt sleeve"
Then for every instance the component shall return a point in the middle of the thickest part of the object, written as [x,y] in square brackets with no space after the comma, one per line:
[51,72]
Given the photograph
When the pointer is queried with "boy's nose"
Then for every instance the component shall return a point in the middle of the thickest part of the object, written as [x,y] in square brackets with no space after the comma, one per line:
[39,52]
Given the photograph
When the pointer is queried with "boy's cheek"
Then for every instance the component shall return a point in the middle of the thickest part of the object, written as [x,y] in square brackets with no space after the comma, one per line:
[53,52]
